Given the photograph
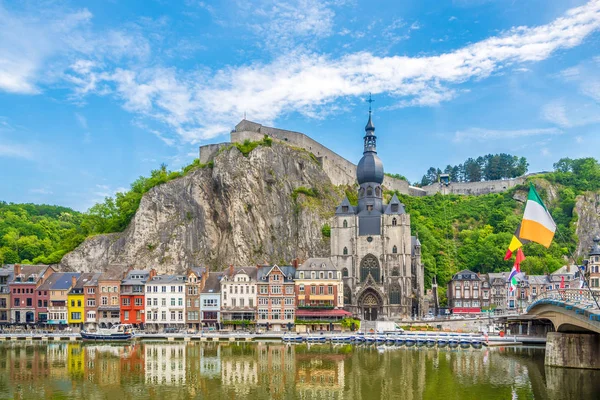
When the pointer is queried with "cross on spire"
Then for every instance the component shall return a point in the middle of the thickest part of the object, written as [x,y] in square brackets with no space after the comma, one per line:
[370,101]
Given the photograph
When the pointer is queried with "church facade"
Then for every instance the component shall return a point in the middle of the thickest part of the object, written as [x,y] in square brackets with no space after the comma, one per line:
[372,246]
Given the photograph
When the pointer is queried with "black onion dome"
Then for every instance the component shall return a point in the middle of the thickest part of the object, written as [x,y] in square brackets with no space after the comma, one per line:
[370,127]
[370,169]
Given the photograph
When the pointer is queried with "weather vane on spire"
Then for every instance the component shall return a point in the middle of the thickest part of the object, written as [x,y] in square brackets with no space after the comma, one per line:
[370,101]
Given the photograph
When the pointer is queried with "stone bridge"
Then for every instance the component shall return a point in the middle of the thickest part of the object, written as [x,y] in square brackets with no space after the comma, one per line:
[576,318]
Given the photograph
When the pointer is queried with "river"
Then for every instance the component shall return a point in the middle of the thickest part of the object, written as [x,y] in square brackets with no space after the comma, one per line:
[196,370]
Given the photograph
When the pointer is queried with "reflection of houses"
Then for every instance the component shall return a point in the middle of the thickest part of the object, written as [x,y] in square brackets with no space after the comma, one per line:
[319,289]
[210,361]
[239,371]
[238,296]
[319,376]
[6,276]
[23,289]
[210,300]
[277,366]
[276,297]
[165,363]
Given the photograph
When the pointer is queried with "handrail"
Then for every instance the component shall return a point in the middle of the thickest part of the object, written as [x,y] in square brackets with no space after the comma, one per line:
[565,295]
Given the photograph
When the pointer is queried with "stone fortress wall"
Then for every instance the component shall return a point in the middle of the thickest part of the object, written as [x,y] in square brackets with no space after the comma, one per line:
[342,171]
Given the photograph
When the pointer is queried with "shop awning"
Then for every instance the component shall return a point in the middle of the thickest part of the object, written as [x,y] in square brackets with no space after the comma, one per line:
[322,313]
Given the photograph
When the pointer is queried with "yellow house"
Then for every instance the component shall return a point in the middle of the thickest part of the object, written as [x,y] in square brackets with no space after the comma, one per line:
[75,302]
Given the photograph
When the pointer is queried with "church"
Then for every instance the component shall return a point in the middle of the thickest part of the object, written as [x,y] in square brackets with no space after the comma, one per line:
[372,246]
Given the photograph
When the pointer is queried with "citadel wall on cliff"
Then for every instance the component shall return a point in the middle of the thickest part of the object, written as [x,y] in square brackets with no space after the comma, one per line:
[342,171]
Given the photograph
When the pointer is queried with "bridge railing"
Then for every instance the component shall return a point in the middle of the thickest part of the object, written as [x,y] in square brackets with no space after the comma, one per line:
[582,296]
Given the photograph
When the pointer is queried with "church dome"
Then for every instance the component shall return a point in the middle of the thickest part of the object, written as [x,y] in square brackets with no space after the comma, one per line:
[370,169]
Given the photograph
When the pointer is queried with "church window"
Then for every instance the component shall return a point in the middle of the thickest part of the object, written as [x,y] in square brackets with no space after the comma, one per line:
[361,192]
[394,221]
[369,266]
[344,272]
[370,239]
[396,272]
[347,295]
[345,224]
[395,295]
[377,191]
[344,208]
[394,249]
[395,207]
[369,207]
[369,191]
[345,251]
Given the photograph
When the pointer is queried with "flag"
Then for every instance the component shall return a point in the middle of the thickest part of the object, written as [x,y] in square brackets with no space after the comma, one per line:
[562,282]
[515,273]
[515,243]
[537,225]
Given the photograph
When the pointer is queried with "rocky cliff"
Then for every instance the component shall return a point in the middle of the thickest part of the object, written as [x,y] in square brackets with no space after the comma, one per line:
[243,210]
[587,209]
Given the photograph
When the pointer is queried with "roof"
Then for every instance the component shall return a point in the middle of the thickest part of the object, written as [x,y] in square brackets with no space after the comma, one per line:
[213,283]
[93,281]
[231,272]
[538,279]
[83,279]
[128,280]
[287,270]
[322,313]
[59,281]
[414,240]
[113,272]
[465,275]
[595,250]
[345,203]
[166,279]
[198,270]
[317,264]
[27,270]
[395,201]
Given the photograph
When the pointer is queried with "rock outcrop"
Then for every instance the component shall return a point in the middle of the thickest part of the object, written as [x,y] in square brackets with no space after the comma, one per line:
[243,210]
[587,208]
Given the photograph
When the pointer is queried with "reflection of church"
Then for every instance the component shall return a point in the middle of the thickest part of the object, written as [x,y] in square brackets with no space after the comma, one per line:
[372,246]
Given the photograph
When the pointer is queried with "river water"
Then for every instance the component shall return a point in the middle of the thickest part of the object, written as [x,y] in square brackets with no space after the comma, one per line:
[196,370]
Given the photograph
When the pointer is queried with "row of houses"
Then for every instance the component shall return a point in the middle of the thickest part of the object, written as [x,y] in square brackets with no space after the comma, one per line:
[472,293]
[308,296]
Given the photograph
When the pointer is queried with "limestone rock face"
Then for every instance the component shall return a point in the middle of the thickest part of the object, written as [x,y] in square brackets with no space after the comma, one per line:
[587,208]
[244,210]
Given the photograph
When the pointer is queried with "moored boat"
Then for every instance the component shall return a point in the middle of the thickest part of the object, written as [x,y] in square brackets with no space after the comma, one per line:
[120,332]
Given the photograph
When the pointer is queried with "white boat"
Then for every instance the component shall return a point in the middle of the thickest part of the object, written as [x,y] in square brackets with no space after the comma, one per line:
[118,332]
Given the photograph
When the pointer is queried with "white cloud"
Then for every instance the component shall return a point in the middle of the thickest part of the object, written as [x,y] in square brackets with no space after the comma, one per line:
[556,113]
[81,120]
[13,150]
[40,191]
[201,104]
[545,152]
[571,114]
[482,134]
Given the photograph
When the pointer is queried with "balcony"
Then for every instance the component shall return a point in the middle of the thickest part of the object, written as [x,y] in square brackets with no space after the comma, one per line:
[321,297]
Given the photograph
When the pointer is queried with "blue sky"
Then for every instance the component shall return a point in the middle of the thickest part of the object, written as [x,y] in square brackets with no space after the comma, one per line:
[95,94]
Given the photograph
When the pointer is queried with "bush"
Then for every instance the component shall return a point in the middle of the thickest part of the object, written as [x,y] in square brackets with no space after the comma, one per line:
[326,231]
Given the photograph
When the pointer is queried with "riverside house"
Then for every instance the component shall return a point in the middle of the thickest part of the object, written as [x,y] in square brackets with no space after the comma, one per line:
[58,286]
[238,297]
[210,301]
[196,278]
[132,296]
[276,297]
[23,291]
[6,277]
[76,301]
[165,303]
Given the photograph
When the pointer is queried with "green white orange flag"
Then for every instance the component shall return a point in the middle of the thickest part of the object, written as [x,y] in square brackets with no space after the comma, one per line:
[537,225]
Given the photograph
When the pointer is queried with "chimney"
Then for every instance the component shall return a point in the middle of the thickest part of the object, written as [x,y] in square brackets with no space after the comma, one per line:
[17,268]
[152,273]
[295,263]
[230,269]
[73,280]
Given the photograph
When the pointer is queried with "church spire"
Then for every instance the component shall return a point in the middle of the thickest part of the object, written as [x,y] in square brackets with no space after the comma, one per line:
[370,138]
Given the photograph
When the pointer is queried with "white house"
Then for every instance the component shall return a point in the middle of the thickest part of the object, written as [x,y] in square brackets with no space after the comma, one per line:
[238,295]
[210,301]
[165,302]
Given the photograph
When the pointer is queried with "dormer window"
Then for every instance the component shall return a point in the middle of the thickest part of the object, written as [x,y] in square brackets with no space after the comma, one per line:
[369,207]
[345,209]
[395,208]
[301,274]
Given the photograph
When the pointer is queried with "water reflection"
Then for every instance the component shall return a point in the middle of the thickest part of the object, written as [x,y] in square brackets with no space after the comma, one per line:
[272,370]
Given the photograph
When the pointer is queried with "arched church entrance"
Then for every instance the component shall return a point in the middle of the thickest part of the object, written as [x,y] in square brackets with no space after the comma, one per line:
[370,304]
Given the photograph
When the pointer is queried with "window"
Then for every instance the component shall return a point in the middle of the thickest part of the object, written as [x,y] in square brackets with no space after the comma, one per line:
[163,302]
[250,303]
[236,289]
[276,277]
[345,251]
[126,315]
[180,315]
[155,302]
[189,303]
[395,294]
[172,289]
[276,314]
[91,302]
[289,314]
[276,289]
[321,275]
[91,290]
[180,289]
[242,302]
[313,289]
[104,300]
[233,302]
[139,302]
[75,315]
[394,221]
[313,275]
[29,302]
[369,207]
[263,290]
[345,224]
[172,315]
[263,301]
[126,301]
[138,315]
[39,303]
[172,301]
[164,289]
[289,289]
[149,301]
[595,282]
[289,301]
[301,289]
[301,274]
[321,289]
[329,289]
[394,249]
[369,191]
[345,272]
[276,301]
[263,313]
[330,275]
[17,302]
